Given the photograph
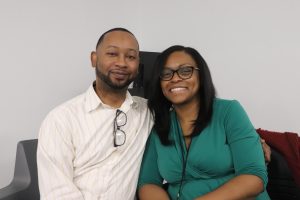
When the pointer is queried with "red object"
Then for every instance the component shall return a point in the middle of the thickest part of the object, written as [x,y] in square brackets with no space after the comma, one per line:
[288,144]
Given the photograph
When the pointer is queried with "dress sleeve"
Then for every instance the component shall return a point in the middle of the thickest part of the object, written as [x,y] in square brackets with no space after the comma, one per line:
[55,156]
[149,172]
[244,143]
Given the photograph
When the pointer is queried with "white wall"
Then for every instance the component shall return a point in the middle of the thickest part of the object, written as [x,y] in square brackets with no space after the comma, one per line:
[252,48]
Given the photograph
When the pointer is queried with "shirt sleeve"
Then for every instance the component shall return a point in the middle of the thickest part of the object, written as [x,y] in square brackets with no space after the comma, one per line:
[149,172]
[55,154]
[244,143]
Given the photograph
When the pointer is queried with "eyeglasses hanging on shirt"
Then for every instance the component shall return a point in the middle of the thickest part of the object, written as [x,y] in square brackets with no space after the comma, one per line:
[119,135]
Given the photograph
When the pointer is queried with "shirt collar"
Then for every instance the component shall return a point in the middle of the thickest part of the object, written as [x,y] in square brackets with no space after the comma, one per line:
[92,101]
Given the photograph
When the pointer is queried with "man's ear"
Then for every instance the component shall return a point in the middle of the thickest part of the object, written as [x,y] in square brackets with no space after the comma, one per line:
[94,59]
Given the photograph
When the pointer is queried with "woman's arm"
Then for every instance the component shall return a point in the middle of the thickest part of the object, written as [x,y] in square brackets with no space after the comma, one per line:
[248,160]
[152,192]
[242,187]
[150,181]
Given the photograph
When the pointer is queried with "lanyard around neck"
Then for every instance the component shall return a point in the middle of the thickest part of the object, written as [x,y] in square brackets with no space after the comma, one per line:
[184,158]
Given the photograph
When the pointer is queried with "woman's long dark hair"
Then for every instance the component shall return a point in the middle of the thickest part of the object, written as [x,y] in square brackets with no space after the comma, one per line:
[160,106]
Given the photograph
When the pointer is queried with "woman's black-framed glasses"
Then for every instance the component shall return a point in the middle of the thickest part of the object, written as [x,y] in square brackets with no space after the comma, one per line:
[119,135]
[185,72]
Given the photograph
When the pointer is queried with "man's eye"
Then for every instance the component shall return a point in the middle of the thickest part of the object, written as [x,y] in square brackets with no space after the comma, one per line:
[111,53]
[131,57]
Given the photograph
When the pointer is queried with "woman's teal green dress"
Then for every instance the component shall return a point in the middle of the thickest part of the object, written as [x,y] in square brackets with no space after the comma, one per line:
[227,147]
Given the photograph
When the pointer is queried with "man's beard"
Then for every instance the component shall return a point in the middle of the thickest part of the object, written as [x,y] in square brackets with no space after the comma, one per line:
[106,79]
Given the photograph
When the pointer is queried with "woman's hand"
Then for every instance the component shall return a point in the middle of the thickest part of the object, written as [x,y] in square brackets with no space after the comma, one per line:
[267,150]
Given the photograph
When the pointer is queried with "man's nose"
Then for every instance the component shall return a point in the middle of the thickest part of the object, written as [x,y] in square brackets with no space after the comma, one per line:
[121,61]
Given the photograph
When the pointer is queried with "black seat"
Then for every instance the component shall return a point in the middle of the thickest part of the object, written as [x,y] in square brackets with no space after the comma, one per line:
[24,185]
[281,185]
[144,78]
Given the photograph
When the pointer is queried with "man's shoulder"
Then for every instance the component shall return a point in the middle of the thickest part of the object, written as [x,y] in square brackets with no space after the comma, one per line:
[141,106]
[140,100]
[68,107]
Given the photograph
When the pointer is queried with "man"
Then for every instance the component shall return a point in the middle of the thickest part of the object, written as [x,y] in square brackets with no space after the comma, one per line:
[91,146]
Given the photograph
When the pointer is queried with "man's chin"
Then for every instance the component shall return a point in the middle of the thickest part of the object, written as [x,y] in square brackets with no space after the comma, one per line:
[117,85]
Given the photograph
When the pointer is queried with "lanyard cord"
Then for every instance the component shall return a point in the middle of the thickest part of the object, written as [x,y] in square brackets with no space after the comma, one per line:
[184,162]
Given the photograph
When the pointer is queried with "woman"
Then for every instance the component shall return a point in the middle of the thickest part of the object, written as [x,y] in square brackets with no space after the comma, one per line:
[202,146]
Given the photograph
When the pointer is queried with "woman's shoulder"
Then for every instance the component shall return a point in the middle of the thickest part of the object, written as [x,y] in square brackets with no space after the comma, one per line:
[224,107]
[153,135]
[231,111]
[225,103]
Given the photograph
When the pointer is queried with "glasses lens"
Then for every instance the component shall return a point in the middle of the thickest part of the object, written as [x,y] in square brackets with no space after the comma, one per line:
[121,119]
[166,74]
[185,72]
[119,138]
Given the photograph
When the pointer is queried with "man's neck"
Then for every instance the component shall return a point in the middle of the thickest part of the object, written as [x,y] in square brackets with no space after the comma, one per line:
[109,96]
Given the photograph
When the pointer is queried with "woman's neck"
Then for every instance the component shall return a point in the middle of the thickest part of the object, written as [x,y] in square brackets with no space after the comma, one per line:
[187,114]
